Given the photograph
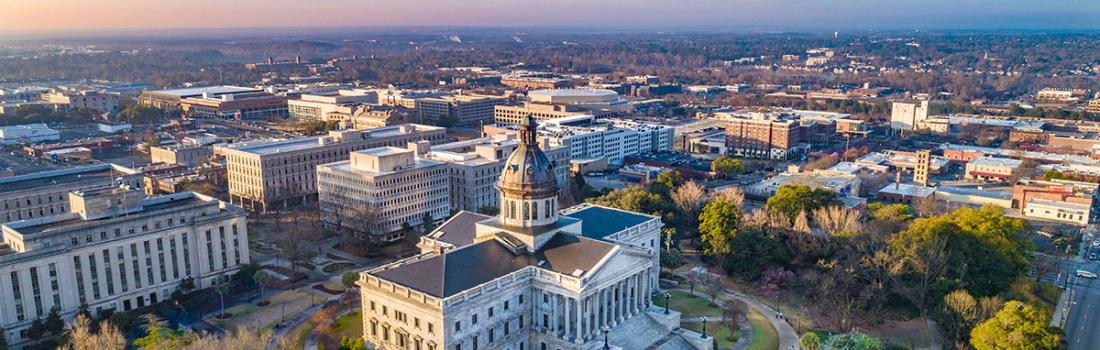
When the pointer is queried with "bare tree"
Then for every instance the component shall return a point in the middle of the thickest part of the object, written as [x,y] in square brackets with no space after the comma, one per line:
[1043,265]
[689,198]
[238,339]
[295,245]
[802,223]
[837,221]
[360,223]
[81,336]
[732,194]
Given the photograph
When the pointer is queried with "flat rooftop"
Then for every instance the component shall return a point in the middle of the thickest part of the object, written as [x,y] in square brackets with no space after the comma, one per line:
[153,206]
[198,91]
[599,222]
[98,172]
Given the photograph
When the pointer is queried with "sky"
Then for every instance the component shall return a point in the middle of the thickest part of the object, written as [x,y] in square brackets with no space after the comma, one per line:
[33,16]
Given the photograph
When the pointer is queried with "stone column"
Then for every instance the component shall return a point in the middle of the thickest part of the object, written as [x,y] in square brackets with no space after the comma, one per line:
[577,318]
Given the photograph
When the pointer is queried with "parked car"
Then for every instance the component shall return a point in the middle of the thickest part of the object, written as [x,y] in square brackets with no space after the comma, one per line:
[1086,274]
[1094,256]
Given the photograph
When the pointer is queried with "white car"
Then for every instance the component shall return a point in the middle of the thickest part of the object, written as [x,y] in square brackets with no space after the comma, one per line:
[1096,243]
[1086,274]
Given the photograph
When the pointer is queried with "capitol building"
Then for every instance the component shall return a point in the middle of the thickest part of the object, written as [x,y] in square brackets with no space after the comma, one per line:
[532,278]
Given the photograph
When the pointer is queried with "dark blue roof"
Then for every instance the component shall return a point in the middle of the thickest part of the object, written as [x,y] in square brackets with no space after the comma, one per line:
[599,222]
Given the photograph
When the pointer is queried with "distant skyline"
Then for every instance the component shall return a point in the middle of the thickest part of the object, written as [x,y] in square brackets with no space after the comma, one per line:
[36,16]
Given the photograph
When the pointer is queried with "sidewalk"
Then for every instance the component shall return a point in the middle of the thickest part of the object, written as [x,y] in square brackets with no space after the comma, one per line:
[788,338]
[1061,310]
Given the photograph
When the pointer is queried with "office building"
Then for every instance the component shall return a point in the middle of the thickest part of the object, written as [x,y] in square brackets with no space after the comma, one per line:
[475,166]
[188,154]
[589,138]
[74,98]
[764,136]
[27,133]
[1093,106]
[991,169]
[316,107]
[908,115]
[384,191]
[514,115]
[264,175]
[529,278]
[368,117]
[463,110]
[250,106]
[404,98]
[42,194]
[115,250]
[1048,94]
[531,81]
[171,98]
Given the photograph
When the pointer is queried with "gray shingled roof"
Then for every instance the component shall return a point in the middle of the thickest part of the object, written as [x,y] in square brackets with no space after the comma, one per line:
[467,267]
[566,253]
[460,229]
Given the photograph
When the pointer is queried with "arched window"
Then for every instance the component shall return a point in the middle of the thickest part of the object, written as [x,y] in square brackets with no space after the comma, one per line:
[511,210]
[534,210]
[526,210]
[548,208]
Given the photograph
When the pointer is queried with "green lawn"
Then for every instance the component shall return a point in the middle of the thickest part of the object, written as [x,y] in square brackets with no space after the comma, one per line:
[689,305]
[720,332]
[350,325]
[764,336]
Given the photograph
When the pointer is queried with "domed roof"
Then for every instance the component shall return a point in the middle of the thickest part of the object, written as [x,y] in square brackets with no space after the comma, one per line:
[528,173]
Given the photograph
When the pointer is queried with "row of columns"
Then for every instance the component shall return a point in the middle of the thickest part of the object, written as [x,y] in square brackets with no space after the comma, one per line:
[581,319]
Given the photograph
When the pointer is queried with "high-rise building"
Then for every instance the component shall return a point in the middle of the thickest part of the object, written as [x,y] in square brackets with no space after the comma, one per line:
[267,174]
[383,191]
[514,115]
[908,115]
[115,249]
[530,278]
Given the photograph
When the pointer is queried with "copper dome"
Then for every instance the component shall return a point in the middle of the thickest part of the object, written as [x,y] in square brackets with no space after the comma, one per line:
[528,173]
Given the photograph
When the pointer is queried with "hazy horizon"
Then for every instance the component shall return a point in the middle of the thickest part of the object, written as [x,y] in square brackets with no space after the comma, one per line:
[77,16]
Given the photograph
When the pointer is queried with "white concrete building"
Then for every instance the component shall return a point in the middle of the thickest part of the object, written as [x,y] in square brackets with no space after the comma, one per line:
[908,115]
[46,193]
[271,173]
[530,278]
[475,167]
[991,169]
[613,139]
[27,133]
[391,183]
[1058,211]
[316,107]
[115,250]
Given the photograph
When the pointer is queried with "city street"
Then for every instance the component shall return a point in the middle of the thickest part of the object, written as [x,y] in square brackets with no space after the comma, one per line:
[1080,325]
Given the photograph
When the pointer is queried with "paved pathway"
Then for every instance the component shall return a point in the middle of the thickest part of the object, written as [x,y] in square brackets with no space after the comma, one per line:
[788,338]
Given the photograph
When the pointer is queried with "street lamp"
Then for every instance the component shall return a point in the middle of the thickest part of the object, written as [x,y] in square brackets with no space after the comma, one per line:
[606,330]
[704,327]
[668,296]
